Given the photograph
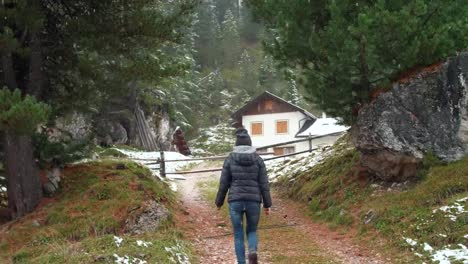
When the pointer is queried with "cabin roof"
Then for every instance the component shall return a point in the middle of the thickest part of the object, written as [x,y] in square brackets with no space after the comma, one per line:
[322,126]
[265,95]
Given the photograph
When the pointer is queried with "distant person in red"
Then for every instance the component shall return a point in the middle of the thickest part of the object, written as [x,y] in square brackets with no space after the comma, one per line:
[178,139]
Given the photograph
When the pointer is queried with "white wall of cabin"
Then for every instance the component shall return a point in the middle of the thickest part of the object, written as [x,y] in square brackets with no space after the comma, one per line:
[269,131]
[269,127]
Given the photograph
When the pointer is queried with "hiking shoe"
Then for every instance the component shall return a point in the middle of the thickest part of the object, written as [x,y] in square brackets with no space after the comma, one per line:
[253,258]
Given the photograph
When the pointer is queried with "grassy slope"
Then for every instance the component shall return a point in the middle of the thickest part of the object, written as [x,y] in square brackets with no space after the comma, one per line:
[337,194]
[78,226]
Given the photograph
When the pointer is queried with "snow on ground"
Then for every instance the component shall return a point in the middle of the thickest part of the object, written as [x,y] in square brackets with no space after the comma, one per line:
[118,241]
[448,253]
[454,210]
[128,260]
[142,243]
[291,166]
[144,158]
[445,256]
[178,254]
[442,256]
[410,241]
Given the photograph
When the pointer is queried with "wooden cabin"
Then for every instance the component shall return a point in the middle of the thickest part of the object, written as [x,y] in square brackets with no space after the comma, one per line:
[271,119]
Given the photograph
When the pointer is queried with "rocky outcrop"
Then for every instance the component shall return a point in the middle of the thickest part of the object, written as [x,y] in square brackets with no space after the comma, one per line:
[110,132]
[75,127]
[148,218]
[164,130]
[427,114]
[150,132]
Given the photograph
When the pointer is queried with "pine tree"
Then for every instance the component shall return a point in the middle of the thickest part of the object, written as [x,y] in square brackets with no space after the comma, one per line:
[348,48]
[18,120]
[250,30]
[248,75]
[225,6]
[268,73]
[84,52]
[207,29]
[230,41]
[293,92]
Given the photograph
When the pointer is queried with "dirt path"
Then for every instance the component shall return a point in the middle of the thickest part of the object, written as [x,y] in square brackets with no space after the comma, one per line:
[298,240]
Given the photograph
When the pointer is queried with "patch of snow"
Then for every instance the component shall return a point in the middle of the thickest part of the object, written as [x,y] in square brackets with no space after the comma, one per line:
[427,247]
[142,243]
[465,236]
[324,126]
[292,166]
[144,158]
[442,235]
[3,189]
[128,260]
[445,256]
[82,161]
[452,211]
[173,186]
[177,254]
[118,241]
[410,241]
[2,178]
[176,177]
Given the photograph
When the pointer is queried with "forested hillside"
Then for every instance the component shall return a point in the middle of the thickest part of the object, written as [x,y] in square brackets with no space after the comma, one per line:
[230,64]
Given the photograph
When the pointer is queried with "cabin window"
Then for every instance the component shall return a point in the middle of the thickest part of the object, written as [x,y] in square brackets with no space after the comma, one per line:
[256,128]
[283,150]
[282,127]
[269,105]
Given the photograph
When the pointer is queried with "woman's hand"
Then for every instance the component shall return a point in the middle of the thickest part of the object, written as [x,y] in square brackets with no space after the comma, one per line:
[267,211]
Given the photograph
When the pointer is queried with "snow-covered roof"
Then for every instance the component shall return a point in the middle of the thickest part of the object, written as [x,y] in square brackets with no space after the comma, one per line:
[323,126]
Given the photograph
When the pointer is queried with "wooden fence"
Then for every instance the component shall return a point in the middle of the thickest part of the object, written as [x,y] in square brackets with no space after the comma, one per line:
[162,161]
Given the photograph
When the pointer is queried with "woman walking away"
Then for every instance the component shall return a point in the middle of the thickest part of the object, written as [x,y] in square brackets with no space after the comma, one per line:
[244,175]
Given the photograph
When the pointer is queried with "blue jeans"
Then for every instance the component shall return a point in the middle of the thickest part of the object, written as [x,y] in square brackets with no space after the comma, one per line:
[252,213]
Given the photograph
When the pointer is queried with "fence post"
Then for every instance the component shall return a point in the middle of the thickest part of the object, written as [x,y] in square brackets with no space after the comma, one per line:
[310,142]
[162,165]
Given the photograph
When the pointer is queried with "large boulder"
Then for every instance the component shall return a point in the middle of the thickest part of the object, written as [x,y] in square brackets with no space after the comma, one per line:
[110,132]
[120,125]
[425,114]
[147,218]
[75,127]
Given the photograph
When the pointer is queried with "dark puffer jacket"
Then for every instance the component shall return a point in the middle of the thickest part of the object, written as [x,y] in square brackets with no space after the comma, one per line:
[244,175]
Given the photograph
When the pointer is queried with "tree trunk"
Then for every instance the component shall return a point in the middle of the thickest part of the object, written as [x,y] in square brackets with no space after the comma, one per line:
[24,186]
[9,76]
[35,83]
